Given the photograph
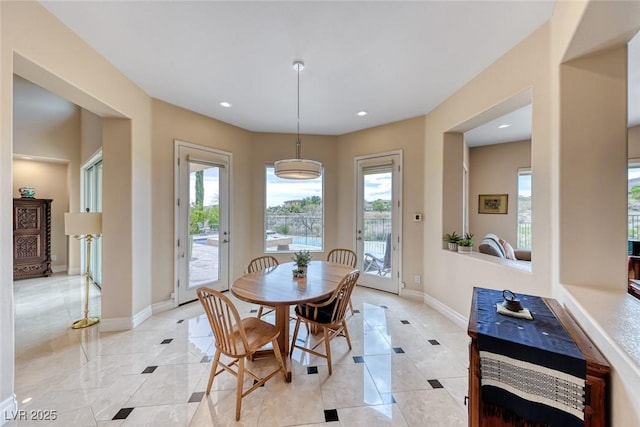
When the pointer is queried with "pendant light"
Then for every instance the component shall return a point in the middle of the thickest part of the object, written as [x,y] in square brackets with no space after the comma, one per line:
[298,168]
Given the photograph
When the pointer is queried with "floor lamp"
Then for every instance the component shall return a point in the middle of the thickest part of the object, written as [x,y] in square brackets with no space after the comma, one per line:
[88,226]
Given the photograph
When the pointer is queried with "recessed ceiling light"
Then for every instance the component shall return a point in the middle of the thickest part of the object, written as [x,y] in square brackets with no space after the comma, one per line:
[225,104]
[503,126]
[362,113]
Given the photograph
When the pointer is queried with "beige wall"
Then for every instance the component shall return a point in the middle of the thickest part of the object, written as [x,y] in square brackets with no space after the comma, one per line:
[266,148]
[50,181]
[139,180]
[38,47]
[451,276]
[633,136]
[406,135]
[493,169]
[172,123]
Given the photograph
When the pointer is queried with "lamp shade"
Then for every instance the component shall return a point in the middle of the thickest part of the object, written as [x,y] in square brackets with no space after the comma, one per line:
[297,169]
[82,223]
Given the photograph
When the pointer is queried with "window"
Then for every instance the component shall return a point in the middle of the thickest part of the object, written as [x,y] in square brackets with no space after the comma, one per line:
[524,208]
[293,214]
[633,210]
[93,201]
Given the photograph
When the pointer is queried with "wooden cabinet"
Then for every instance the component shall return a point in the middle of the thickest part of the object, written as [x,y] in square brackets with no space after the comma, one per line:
[31,238]
[596,382]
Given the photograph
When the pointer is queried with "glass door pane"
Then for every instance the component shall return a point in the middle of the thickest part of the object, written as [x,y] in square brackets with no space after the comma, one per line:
[378,222]
[202,217]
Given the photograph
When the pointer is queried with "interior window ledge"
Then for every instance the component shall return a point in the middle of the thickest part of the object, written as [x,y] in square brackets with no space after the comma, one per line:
[510,263]
[610,319]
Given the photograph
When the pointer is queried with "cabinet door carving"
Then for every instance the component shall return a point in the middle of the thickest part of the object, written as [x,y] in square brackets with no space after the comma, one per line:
[31,237]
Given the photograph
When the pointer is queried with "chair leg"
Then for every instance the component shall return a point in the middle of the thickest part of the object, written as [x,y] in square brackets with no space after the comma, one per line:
[346,333]
[276,351]
[295,336]
[239,390]
[214,367]
[351,306]
[327,346]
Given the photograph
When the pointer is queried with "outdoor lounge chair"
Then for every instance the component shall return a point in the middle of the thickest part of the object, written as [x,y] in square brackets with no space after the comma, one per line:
[382,265]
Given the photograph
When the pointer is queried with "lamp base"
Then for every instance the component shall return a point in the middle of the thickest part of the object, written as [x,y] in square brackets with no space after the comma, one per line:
[85,323]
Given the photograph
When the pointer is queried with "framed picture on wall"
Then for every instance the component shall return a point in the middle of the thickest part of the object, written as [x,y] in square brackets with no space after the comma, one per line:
[493,203]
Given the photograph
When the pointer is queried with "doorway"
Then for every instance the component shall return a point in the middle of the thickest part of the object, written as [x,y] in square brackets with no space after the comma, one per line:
[202,220]
[378,220]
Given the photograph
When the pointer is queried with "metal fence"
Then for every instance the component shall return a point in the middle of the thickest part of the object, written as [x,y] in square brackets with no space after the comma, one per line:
[633,227]
[524,234]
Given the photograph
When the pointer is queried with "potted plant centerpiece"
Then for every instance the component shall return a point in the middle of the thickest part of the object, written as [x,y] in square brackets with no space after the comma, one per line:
[465,244]
[301,260]
[452,240]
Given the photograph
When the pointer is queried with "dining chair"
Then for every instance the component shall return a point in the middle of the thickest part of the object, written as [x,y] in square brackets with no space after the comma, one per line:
[346,257]
[328,316]
[258,264]
[238,339]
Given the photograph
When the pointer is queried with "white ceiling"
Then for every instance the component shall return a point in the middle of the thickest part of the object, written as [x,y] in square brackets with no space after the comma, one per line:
[393,59]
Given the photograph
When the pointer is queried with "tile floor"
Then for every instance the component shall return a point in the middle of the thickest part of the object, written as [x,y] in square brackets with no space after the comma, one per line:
[408,367]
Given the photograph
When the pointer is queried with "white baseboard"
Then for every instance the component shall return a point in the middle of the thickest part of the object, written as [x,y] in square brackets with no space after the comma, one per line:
[159,307]
[447,312]
[8,409]
[74,271]
[412,294]
[58,268]
[125,323]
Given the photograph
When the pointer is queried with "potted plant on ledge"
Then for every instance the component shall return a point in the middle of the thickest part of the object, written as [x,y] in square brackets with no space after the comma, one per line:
[452,240]
[465,244]
[301,260]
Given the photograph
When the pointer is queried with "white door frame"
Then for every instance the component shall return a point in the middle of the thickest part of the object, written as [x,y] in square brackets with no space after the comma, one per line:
[180,243]
[396,244]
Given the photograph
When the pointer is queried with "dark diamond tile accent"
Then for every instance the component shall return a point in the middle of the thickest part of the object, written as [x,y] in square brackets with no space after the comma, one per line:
[122,414]
[149,369]
[180,321]
[206,359]
[312,370]
[404,322]
[167,341]
[356,311]
[398,350]
[358,359]
[388,399]
[331,415]
[253,311]
[384,306]
[435,384]
[256,382]
[434,342]
[196,396]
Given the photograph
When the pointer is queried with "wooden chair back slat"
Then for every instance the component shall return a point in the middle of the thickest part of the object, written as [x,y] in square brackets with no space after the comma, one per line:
[343,256]
[225,322]
[261,263]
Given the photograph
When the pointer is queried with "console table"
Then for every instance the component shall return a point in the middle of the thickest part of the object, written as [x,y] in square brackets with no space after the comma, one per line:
[551,339]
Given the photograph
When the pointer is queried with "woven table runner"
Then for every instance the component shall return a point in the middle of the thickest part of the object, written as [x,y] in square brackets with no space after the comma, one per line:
[530,367]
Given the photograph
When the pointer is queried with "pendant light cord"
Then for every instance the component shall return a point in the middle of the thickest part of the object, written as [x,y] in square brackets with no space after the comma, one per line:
[298,156]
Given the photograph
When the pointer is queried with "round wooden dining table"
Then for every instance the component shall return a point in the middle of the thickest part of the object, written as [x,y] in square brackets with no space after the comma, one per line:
[276,287]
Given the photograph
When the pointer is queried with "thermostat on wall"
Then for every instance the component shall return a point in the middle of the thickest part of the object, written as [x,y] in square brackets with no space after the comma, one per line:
[417,217]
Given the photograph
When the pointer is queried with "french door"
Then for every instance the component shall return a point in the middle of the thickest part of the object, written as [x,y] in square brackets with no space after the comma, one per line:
[378,220]
[202,220]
